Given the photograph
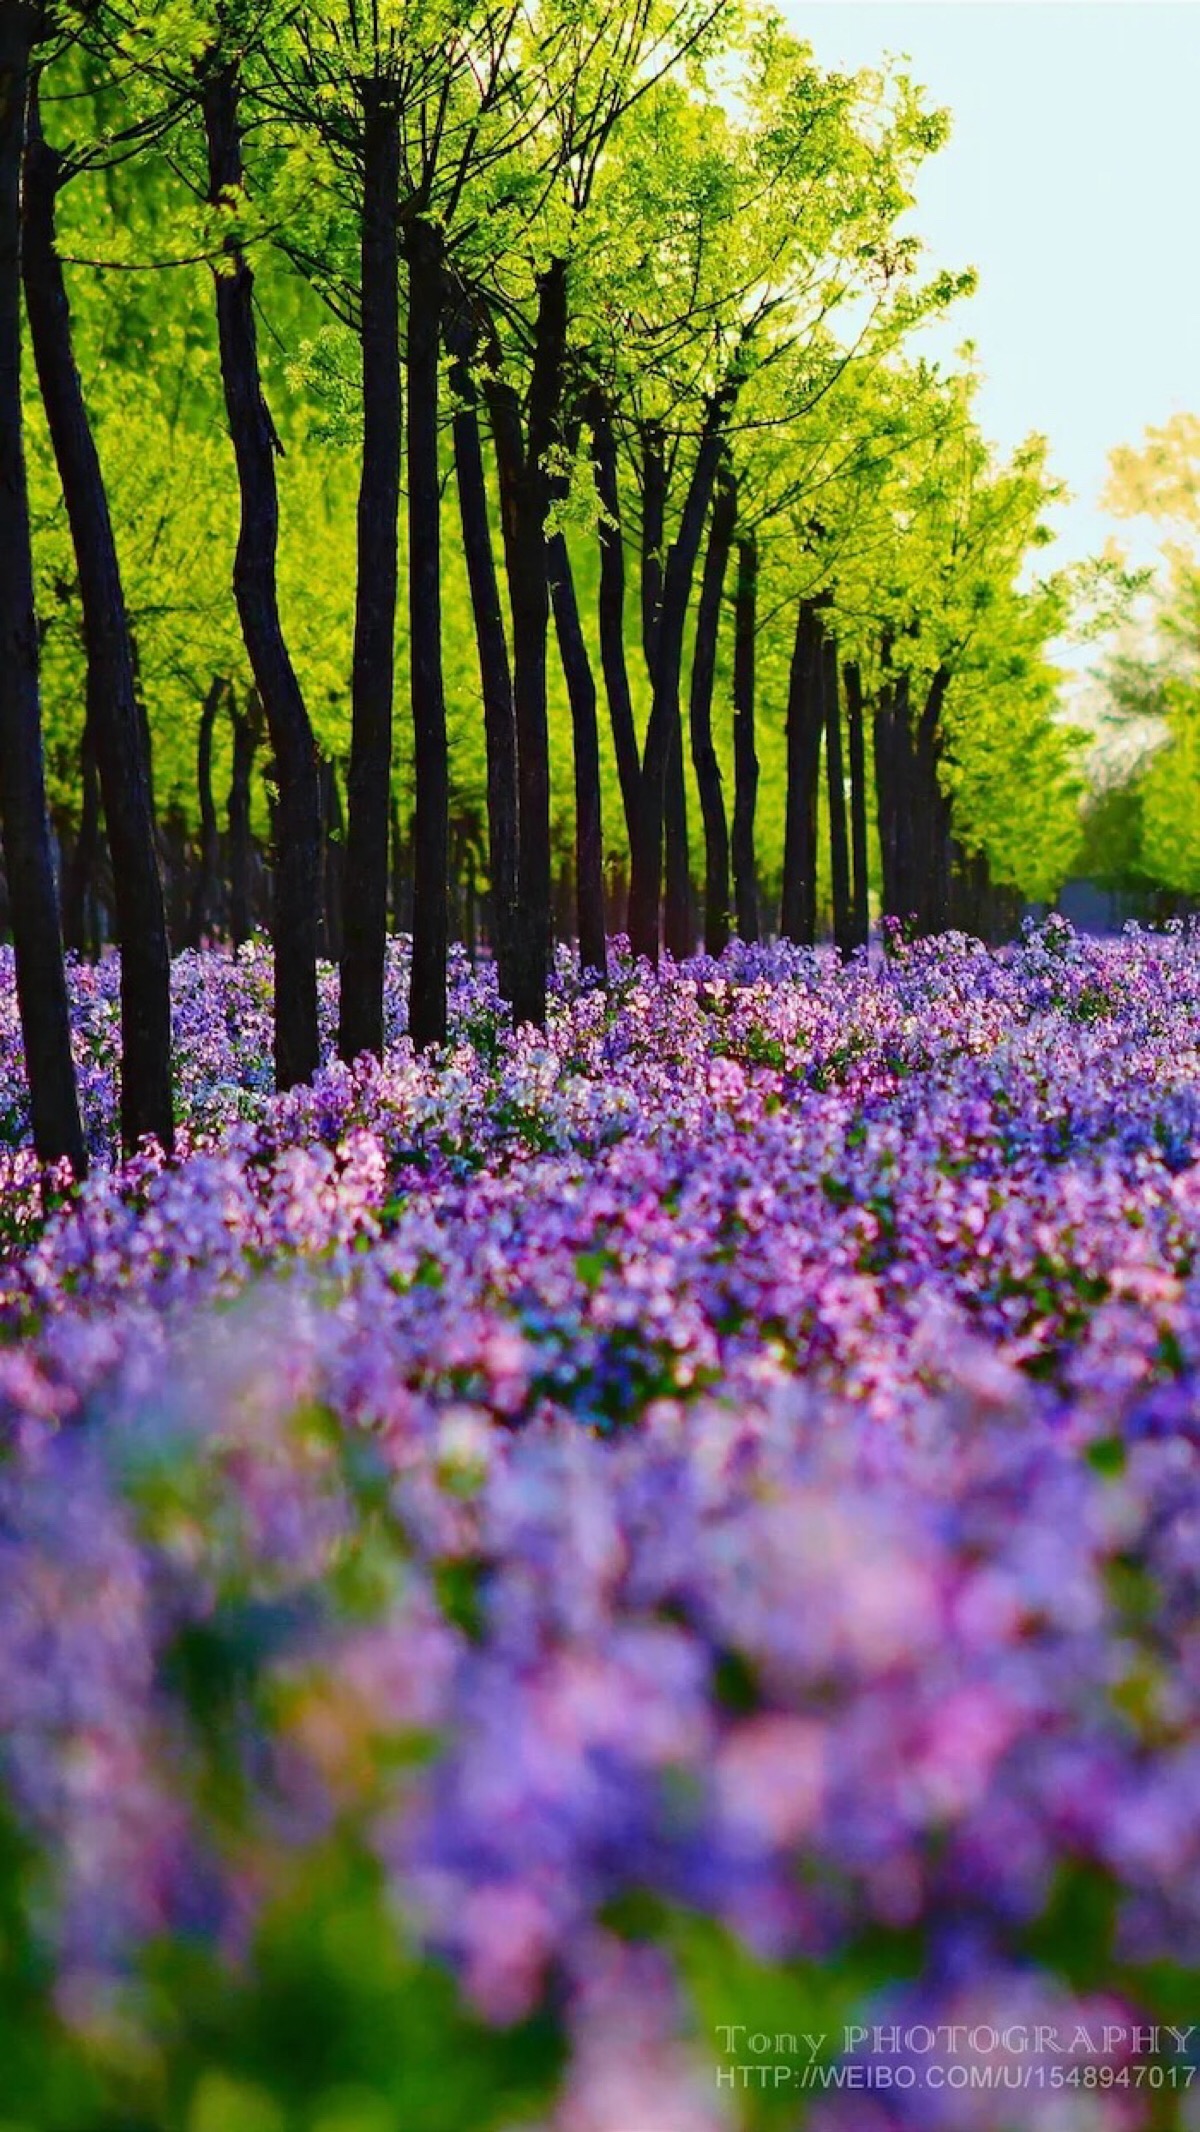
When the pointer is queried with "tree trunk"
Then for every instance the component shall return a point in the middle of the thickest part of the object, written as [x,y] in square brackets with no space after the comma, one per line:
[745,752]
[704,754]
[525,474]
[798,913]
[860,910]
[678,928]
[931,811]
[368,782]
[398,870]
[646,884]
[427,1006]
[654,518]
[204,888]
[679,924]
[495,676]
[581,691]
[79,882]
[887,771]
[333,864]
[611,610]
[28,857]
[904,800]
[245,743]
[839,850]
[298,845]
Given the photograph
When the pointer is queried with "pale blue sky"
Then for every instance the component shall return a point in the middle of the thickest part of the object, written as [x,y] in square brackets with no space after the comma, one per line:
[1072,182]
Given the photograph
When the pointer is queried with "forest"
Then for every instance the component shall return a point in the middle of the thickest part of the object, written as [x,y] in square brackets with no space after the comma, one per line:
[599,1294]
[482,480]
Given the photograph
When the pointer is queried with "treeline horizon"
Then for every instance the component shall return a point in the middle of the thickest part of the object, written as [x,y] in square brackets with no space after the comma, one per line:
[546,374]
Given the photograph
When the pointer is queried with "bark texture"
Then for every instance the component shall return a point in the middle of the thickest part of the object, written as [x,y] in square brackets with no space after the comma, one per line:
[368,783]
[28,857]
[118,728]
[255,581]
[431,818]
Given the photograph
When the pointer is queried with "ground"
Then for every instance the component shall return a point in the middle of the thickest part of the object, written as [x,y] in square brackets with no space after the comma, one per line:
[555,1586]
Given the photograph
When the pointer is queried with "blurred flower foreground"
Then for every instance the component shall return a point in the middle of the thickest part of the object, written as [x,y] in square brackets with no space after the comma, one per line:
[568,1585]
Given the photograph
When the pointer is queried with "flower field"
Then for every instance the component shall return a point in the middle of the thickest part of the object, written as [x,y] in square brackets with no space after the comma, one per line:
[540,1588]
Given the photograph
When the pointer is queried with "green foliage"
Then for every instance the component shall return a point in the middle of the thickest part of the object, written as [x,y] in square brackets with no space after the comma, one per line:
[728,214]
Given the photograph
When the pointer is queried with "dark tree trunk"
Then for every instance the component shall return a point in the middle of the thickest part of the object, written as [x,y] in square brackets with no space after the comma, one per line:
[205,885]
[398,870]
[611,610]
[839,849]
[525,475]
[581,692]
[860,910]
[798,913]
[745,750]
[431,769]
[28,855]
[471,908]
[245,743]
[495,676]
[368,784]
[298,843]
[654,519]
[80,931]
[173,850]
[333,864]
[931,813]
[888,766]
[704,754]
[907,803]
[679,922]
[646,884]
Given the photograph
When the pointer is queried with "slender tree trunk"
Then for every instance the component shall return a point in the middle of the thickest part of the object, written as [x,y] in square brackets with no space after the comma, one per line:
[798,914]
[471,911]
[839,849]
[525,475]
[654,519]
[931,812]
[581,691]
[495,676]
[678,925]
[427,1005]
[646,884]
[368,783]
[28,856]
[398,869]
[860,913]
[245,743]
[704,754]
[904,799]
[886,804]
[745,751]
[204,889]
[255,444]
[78,890]
[611,610]
[333,863]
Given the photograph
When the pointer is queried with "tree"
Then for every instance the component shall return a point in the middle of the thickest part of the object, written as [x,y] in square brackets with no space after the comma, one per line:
[256,444]
[41,980]
[781,210]
[115,721]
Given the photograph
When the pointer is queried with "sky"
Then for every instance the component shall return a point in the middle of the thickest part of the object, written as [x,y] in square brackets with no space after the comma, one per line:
[1072,183]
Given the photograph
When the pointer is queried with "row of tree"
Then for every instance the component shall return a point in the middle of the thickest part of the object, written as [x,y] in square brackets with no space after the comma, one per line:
[516,303]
